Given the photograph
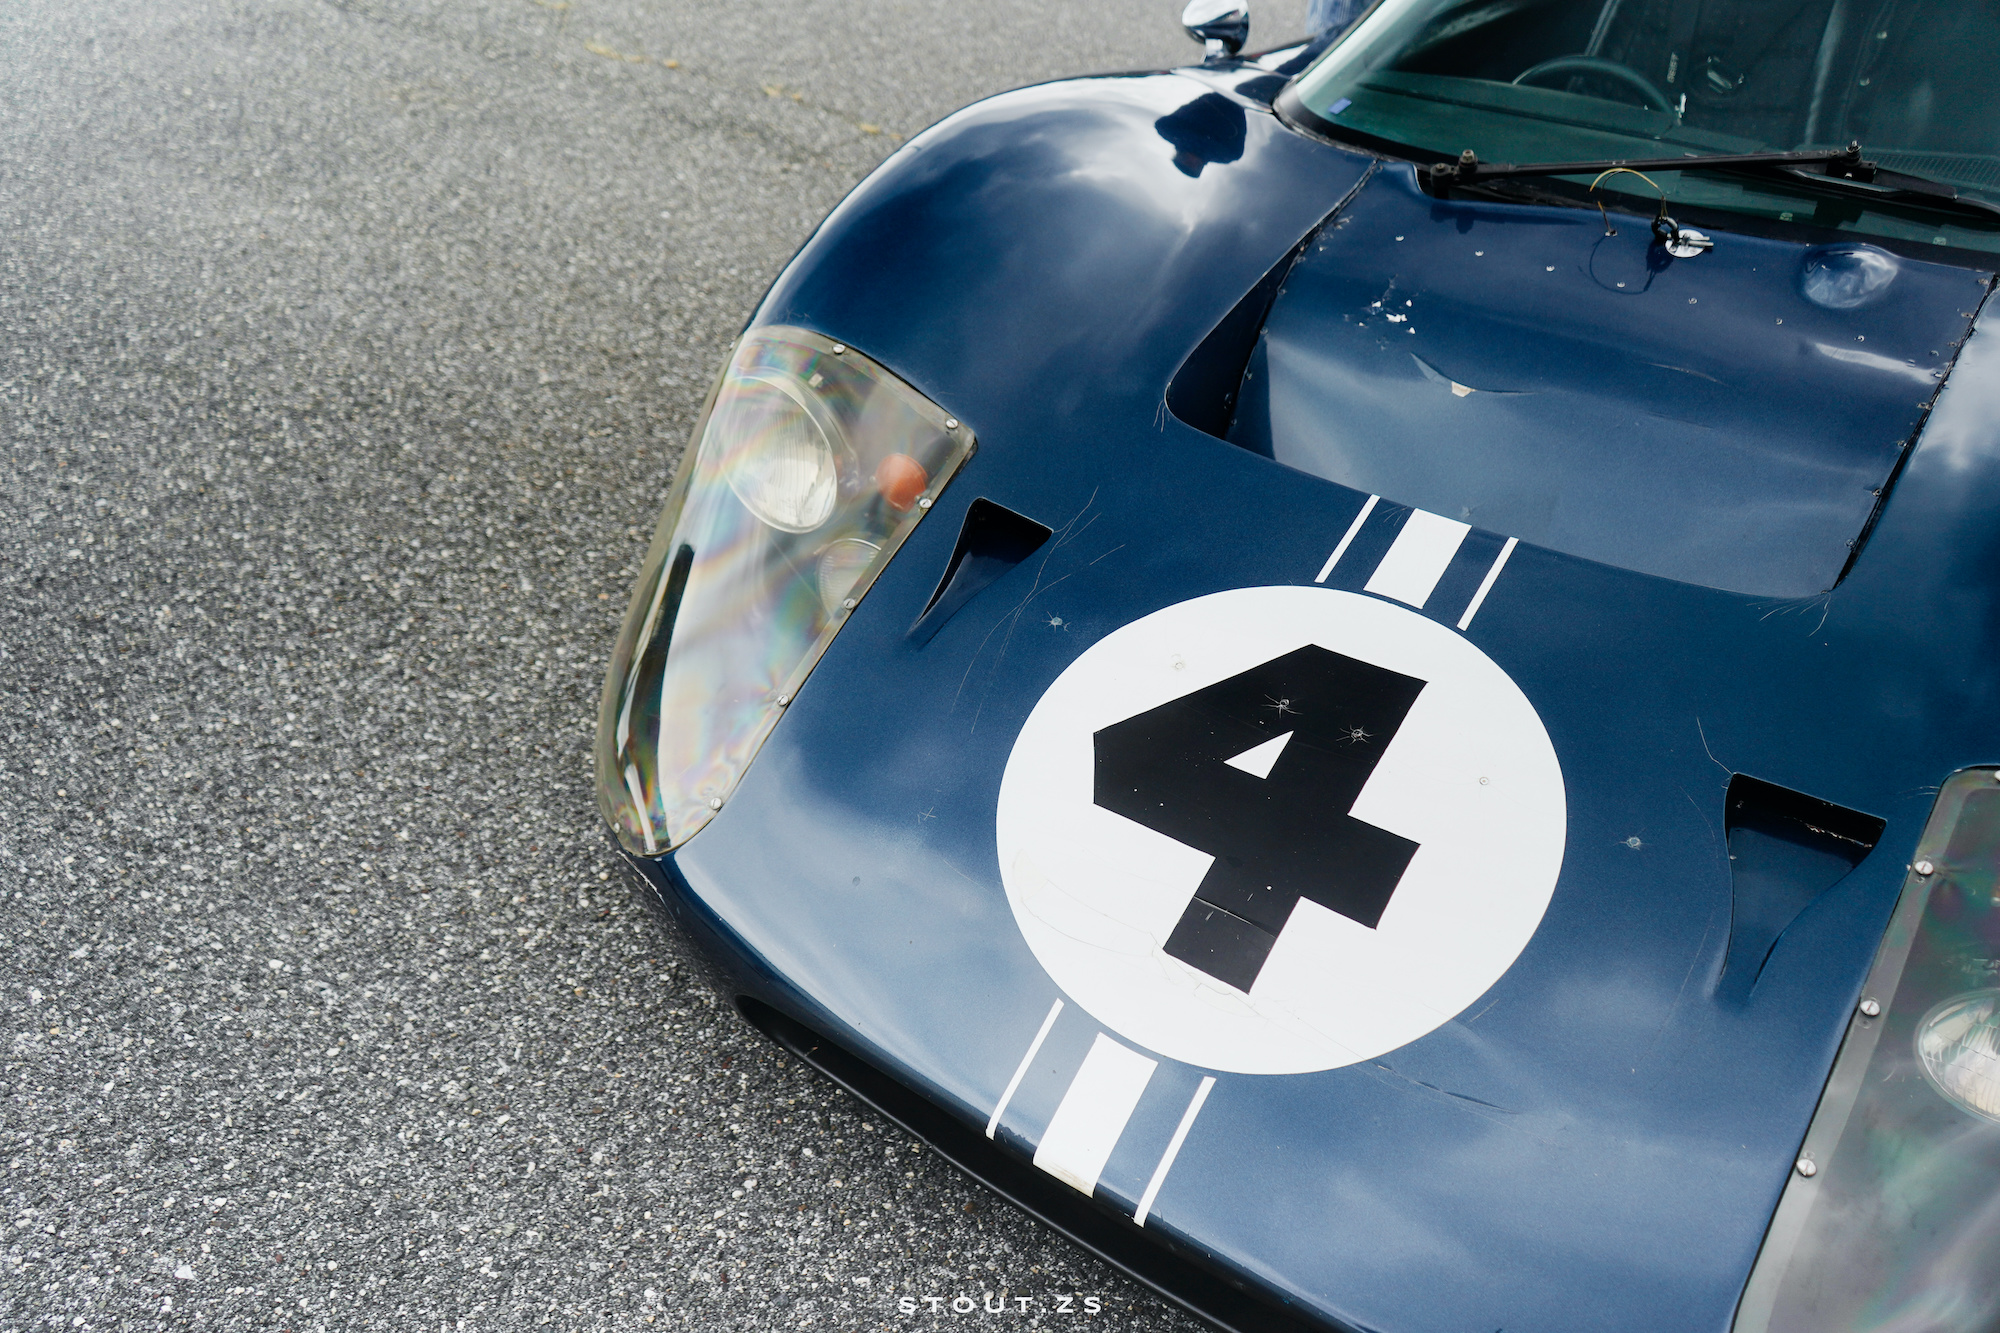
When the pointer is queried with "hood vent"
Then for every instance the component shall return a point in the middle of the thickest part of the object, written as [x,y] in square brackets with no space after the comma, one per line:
[993,541]
[1785,850]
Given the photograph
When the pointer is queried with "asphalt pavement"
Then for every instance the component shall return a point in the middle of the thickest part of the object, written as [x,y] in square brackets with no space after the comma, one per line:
[344,350]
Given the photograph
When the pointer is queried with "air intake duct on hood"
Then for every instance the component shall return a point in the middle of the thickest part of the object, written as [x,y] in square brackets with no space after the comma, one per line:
[1785,849]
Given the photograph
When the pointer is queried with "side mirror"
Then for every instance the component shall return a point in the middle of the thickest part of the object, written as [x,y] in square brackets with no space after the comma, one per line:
[1221,26]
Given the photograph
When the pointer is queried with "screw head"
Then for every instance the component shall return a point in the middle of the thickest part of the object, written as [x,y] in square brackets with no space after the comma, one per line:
[784,699]
[951,423]
[1923,867]
[715,802]
[848,603]
[924,503]
[1871,1008]
[839,348]
[1808,1167]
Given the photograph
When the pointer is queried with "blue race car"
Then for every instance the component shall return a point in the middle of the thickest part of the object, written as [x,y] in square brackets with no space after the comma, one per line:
[1369,677]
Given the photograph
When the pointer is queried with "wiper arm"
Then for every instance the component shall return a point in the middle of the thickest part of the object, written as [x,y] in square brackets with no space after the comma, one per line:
[1843,166]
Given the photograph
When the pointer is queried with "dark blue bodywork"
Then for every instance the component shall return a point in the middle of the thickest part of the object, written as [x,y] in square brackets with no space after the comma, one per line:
[1524,370]
[1600,1142]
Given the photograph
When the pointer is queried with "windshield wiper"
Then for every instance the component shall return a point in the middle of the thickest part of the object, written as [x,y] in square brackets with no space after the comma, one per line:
[1842,167]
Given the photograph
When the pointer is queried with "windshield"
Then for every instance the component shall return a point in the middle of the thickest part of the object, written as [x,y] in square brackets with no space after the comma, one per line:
[1572,80]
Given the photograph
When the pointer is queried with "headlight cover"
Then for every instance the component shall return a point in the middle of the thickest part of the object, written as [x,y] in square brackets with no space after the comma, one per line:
[809,467]
[1891,1220]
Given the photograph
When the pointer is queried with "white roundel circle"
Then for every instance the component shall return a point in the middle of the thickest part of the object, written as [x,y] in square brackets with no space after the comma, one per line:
[1463,804]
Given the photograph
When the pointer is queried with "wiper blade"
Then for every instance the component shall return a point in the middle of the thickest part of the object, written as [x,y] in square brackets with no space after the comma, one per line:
[1842,167]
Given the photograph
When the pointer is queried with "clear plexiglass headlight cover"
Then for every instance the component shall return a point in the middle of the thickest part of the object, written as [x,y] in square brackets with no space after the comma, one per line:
[1891,1221]
[810,465]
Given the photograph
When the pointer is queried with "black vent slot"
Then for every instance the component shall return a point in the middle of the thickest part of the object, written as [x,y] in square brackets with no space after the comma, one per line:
[1203,391]
[1785,849]
[993,541]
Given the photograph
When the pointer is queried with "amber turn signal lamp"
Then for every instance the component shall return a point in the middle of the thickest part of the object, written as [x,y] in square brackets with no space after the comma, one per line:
[901,479]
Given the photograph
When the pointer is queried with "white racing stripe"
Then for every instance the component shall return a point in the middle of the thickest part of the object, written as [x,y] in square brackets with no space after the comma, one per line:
[1173,1151]
[1021,1070]
[1093,1113]
[1348,539]
[1486,584]
[1418,558]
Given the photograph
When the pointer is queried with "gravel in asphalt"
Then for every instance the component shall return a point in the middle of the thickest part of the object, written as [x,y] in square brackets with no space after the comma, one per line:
[344,349]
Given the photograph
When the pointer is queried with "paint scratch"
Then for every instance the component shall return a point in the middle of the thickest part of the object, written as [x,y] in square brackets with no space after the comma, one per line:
[1710,753]
[1700,951]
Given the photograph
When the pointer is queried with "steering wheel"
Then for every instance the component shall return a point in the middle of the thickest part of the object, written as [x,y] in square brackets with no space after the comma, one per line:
[1650,96]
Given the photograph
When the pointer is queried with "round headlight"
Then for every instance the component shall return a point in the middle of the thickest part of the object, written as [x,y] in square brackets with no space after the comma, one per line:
[776,444]
[1959,1045]
[841,566]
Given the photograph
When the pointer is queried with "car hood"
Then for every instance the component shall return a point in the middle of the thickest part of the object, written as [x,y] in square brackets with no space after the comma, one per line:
[1730,418]
[1596,1134]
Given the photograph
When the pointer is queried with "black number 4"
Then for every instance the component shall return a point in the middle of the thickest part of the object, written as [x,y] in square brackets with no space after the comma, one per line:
[1278,838]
